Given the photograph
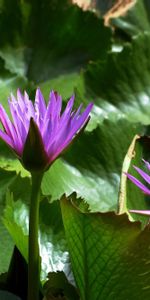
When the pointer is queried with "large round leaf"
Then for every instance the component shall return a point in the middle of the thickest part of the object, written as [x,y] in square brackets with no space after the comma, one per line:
[109,255]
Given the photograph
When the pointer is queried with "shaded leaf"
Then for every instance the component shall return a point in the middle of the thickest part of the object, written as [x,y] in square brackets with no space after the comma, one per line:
[14,59]
[4,295]
[137,20]
[17,275]
[6,243]
[58,287]
[118,9]
[63,47]
[10,17]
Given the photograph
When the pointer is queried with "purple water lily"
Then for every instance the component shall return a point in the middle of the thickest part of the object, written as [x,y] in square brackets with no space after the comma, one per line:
[56,129]
[140,185]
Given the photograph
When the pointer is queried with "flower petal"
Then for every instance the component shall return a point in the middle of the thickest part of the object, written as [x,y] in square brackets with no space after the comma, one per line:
[9,127]
[20,101]
[67,112]
[147,164]
[138,183]
[40,105]
[19,126]
[55,145]
[145,176]
[142,212]
[40,108]
[55,129]
[6,139]
[79,123]
[51,107]
[67,133]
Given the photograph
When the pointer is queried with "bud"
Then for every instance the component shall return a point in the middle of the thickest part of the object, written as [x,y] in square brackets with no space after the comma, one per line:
[34,157]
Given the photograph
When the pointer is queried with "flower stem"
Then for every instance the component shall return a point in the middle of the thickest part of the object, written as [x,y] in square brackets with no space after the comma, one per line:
[33,248]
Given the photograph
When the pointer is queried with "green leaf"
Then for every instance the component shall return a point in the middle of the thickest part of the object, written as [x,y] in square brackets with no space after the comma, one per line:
[131,197]
[103,6]
[16,222]
[120,89]
[136,21]
[6,248]
[59,287]
[9,84]
[107,252]
[120,85]
[6,243]
[92,166]
[11,18]
[63,47]
[96,179]
[20,188]
[10,162]
[63,84]
[4,295]
[14,59]
[53,248]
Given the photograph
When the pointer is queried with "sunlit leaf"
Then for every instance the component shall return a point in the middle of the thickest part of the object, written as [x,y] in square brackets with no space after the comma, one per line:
[92,166]
[107,252]
[53,247]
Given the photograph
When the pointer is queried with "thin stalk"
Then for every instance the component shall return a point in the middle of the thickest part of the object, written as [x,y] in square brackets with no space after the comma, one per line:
[33,248]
